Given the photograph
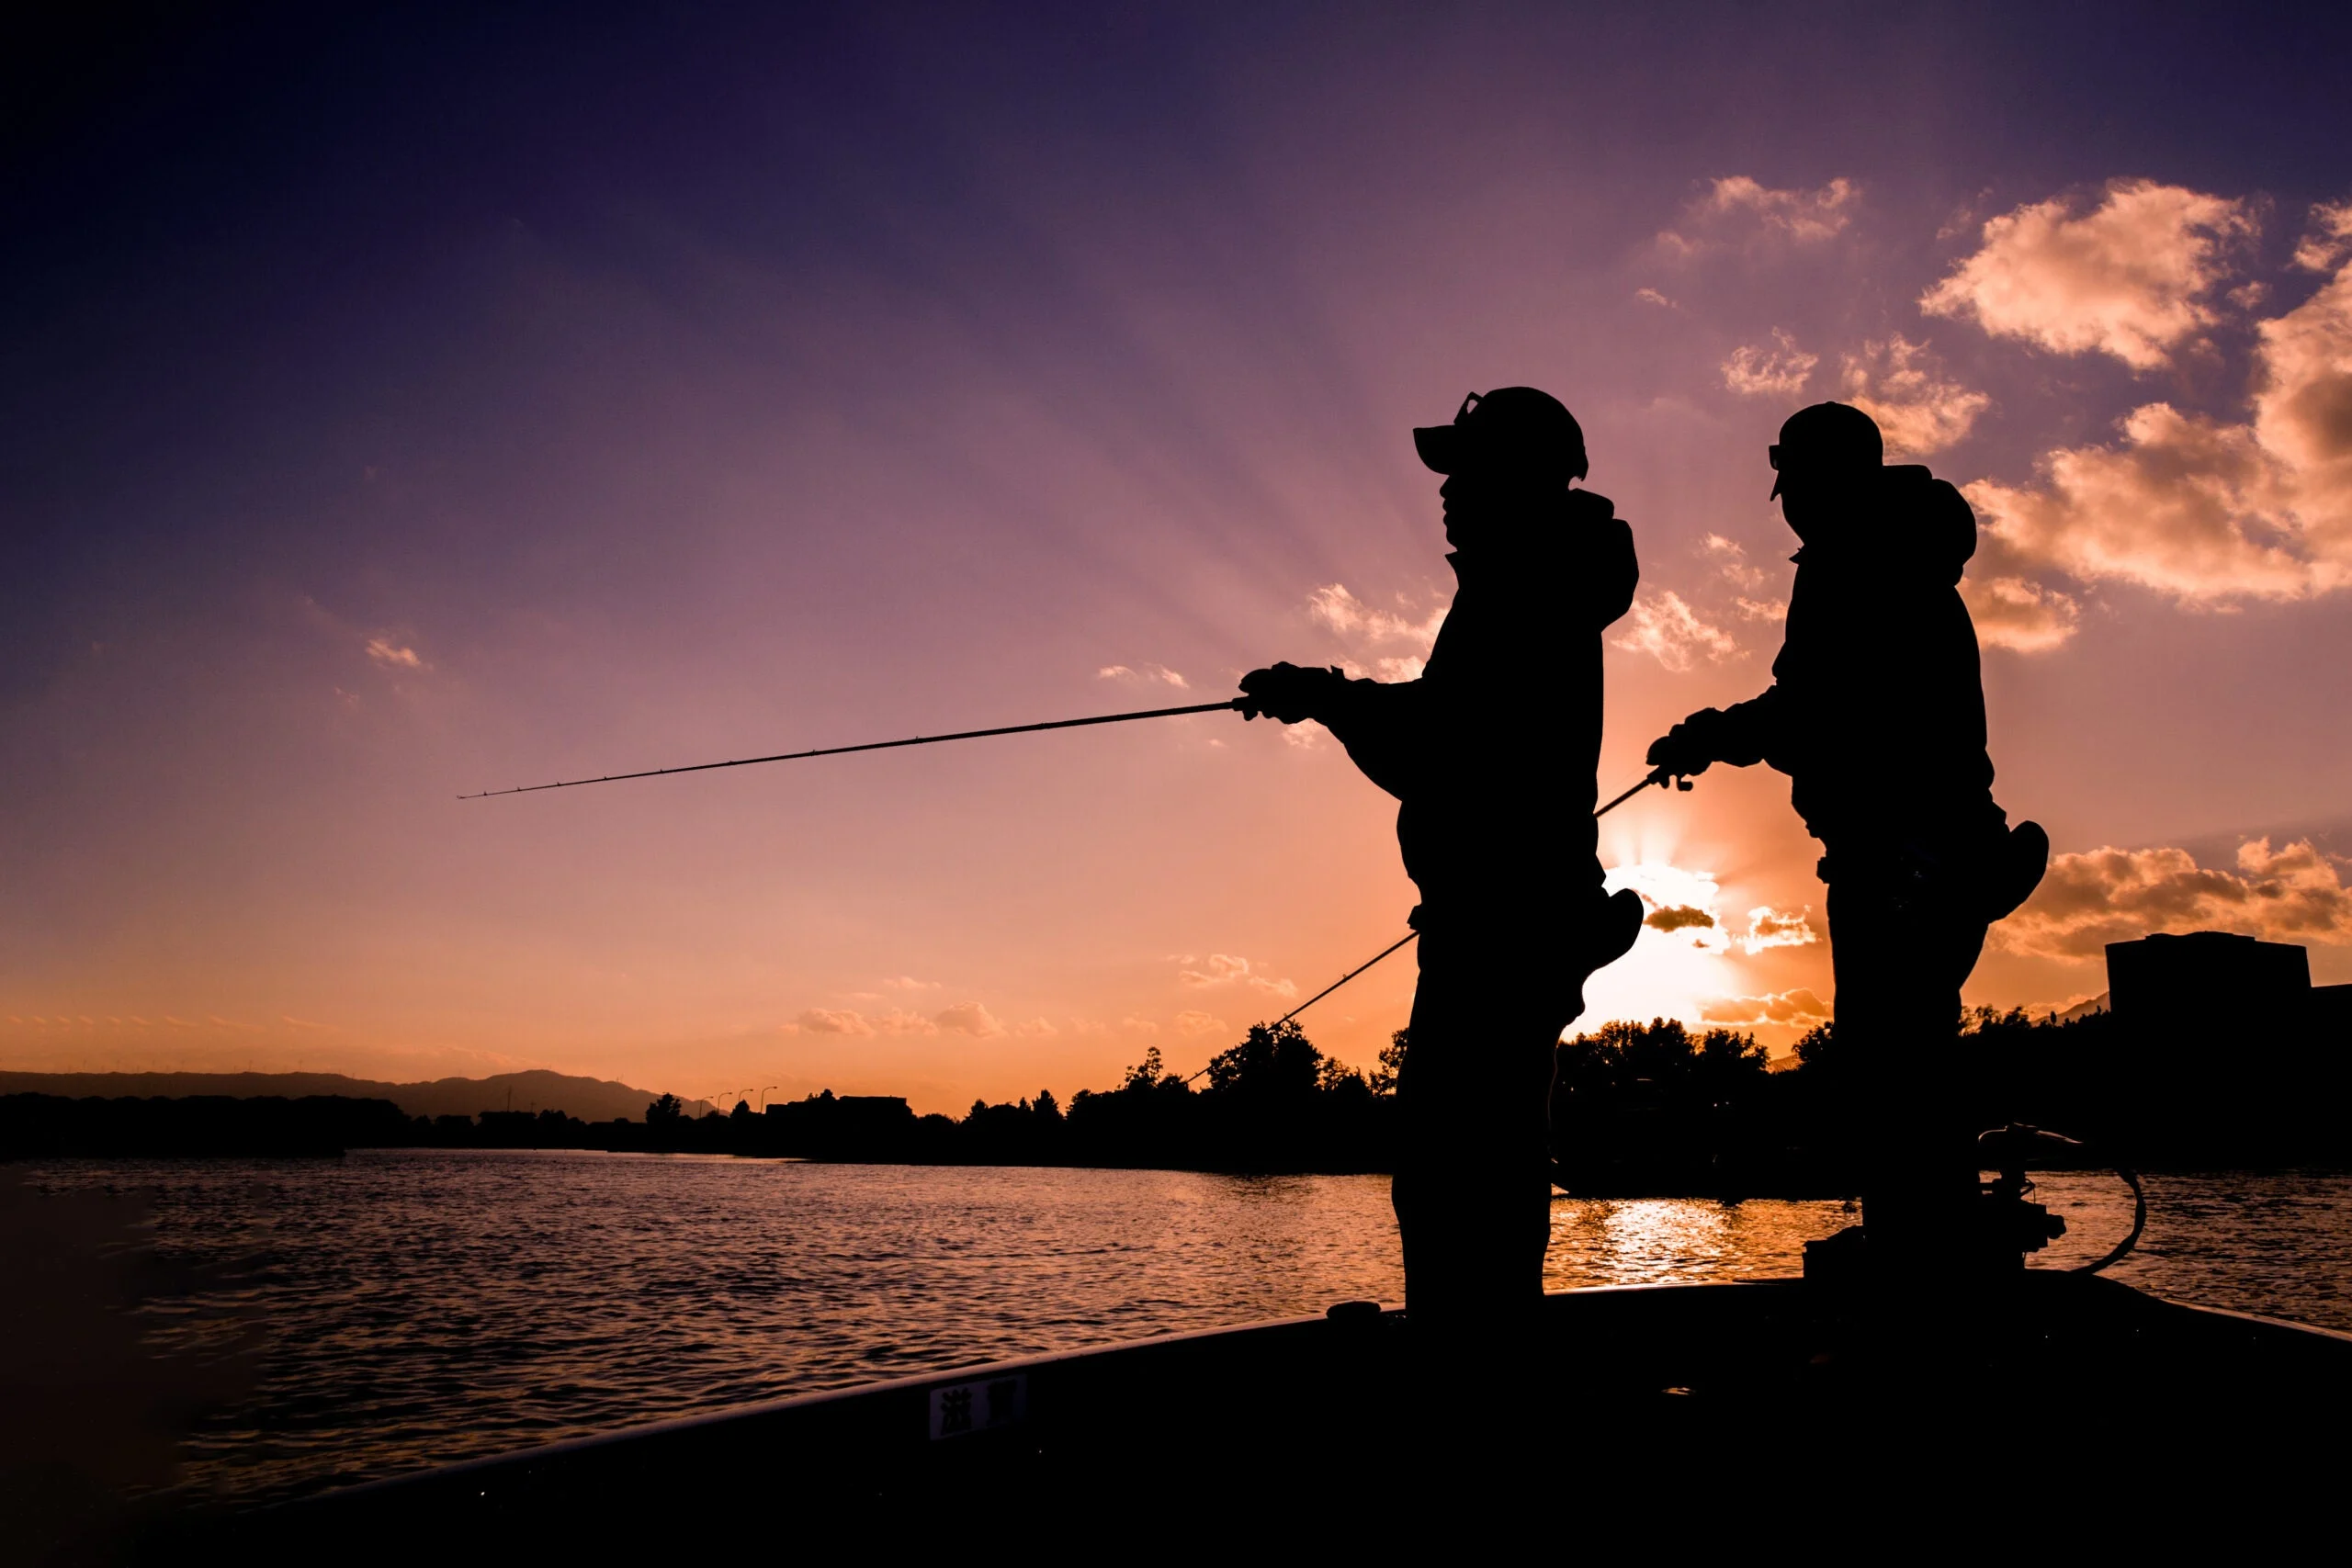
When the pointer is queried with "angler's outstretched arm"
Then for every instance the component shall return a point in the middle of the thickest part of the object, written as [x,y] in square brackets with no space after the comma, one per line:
[1383,724]
[1742,735]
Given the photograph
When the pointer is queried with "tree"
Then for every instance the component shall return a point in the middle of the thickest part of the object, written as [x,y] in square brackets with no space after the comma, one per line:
[666,1111]
[1272,1063]
[1392,1062]
[1336,1078]
[1144,1076]
[1817,1051]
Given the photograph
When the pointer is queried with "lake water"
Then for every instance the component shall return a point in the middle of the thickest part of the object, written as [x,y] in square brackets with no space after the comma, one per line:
[411,1307]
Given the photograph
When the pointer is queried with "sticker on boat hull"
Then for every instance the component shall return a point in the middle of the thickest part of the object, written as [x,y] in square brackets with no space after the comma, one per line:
[959,1409]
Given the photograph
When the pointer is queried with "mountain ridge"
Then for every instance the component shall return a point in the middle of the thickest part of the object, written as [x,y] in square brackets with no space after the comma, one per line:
[591,1100]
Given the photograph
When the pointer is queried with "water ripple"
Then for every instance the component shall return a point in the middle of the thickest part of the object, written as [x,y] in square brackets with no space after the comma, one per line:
[423,1306]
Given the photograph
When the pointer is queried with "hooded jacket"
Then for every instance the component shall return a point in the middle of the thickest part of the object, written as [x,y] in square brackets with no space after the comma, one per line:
[1876,710]
[1491,751]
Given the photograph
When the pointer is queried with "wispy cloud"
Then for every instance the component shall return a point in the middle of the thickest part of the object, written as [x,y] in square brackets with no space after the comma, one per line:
[1731,560]
[969,1018]
[1902,386]
[392,655]
[1229,969]
[830,1020]
[1778,369]
[2011,612]
[1798,1007]
[1677,901]
[1739,210]
[1662,626]
[1369,630]
[1143,674]
[1769,927]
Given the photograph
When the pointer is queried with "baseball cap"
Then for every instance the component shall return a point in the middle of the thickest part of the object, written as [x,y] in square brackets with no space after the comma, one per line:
[1511,427]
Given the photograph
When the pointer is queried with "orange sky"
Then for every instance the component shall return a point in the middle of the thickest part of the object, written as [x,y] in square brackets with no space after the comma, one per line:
[1076,386]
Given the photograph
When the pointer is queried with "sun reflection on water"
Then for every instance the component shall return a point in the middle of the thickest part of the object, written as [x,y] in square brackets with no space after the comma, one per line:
[1641,1241]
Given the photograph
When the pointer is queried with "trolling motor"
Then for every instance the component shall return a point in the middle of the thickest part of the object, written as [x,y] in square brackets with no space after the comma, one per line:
[2012,1223]
[2006,1227]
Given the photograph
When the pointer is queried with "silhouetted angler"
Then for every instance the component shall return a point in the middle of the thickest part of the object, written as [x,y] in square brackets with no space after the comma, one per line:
[1876,713]
[1492,752]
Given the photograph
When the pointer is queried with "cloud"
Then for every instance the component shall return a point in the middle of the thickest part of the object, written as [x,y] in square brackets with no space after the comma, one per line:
[1900,384]
[1227,969]
[1731,559]
[1192,1023]
[1336,609]
[1780,370]
[828,1020]
[1671,631]
[1741,209]
[2291,893]
[1652,296]
[1307,734]
[2126,279]
[1222,967]
[849,1023]
[1677,899]
[969,1018]
[391,655]
[1768,927]
[907,982]
[1037,1028]
[2329,245]
[1797,1007]
[2009,612]
[2208,509]
[1147,674]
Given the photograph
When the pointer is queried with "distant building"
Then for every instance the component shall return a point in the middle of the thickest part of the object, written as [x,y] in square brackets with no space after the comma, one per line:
[847,1126]
[2222,1051]
[2202,973]
[2194,984]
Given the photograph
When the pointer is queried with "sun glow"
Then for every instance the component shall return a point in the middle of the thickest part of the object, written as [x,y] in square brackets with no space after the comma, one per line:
[1680,960]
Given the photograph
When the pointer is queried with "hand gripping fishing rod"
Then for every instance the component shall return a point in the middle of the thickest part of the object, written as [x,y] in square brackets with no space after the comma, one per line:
[1232,705]
[1658,776]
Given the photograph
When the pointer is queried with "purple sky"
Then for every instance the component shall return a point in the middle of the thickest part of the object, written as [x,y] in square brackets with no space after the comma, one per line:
[418,403]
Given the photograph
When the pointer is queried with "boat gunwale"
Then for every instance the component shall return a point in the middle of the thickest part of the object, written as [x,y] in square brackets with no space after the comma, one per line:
[970,1373]
[917,1383]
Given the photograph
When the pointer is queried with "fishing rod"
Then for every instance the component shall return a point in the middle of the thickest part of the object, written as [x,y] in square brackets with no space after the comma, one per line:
[1231,705]
[1658,776]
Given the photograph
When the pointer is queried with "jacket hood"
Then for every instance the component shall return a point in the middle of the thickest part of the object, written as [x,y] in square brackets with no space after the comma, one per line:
[1907,521]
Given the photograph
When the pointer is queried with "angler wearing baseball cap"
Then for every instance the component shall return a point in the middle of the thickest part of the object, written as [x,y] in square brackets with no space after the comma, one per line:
[1492,752]
[1876,713]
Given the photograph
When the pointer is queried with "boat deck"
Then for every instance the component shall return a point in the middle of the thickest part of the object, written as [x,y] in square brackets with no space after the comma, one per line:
[2053,1399]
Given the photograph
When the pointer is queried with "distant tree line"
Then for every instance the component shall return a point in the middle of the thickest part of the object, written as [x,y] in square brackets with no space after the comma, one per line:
[1272,1102]
[1637,1108]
